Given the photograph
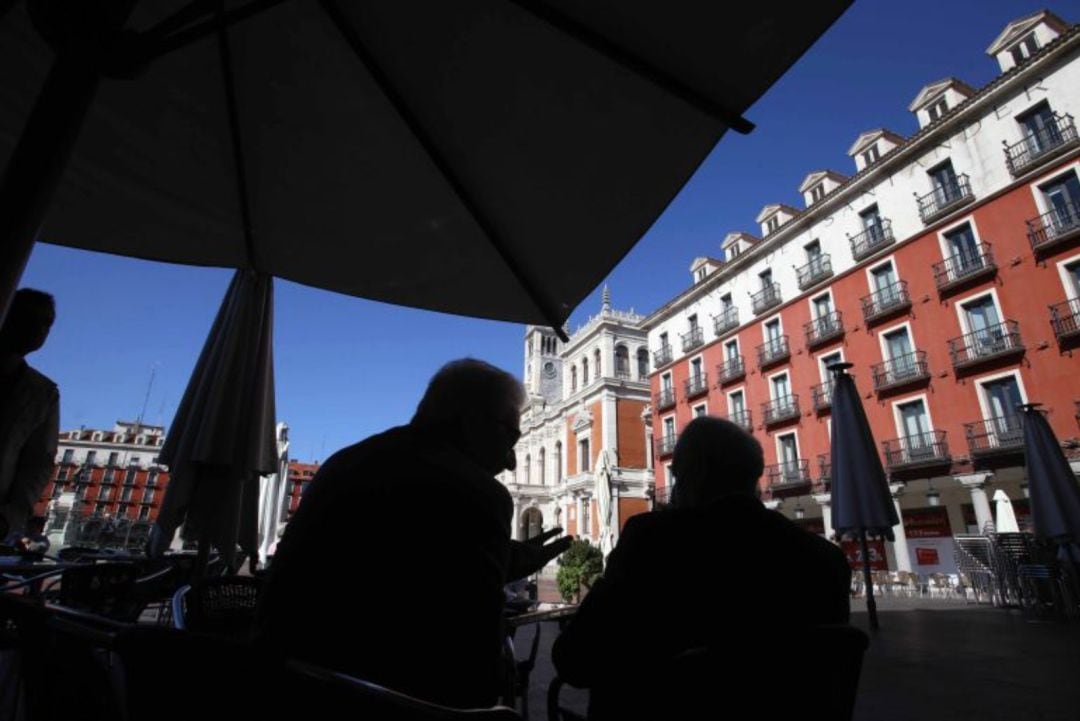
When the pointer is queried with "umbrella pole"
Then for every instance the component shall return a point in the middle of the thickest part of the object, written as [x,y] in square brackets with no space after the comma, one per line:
[871,604]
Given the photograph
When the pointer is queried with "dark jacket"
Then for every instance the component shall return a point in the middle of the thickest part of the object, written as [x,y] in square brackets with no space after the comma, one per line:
[680,579]
[392,570]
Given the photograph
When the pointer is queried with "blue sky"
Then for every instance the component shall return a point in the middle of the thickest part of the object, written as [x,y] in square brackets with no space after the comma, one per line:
[347,368]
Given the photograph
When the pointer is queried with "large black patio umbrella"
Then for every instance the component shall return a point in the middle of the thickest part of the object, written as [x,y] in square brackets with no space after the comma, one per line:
[861,501]
[492,158]
[1052,487]
[222,438]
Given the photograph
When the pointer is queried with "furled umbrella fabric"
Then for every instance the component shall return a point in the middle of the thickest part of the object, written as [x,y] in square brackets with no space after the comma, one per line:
[1052,486]
[602,493]
[1005,521]
[222,438]
[492,158]
[861,501]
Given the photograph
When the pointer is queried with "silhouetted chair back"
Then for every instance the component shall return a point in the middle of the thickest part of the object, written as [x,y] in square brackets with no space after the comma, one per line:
[223,606]
[104,589]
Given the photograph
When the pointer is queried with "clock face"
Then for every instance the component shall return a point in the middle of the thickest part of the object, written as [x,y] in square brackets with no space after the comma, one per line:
[549,370]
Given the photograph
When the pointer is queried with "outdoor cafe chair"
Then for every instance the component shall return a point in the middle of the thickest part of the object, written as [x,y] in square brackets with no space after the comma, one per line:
[222,606]
[705,678]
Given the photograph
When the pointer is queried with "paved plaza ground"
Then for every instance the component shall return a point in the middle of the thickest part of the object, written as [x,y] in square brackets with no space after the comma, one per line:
[932,660]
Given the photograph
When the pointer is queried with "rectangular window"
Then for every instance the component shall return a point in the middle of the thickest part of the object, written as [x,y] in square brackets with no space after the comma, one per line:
[823,305]
[126,495]
[700,274]
[766,279]
[699,411]
[964,249]
[148,495]
[144,513]
[91,457]
[938,109]
[733,250]
[870,155]
[772,331]
[726,302]
[731,350]
[669,427]
[781,387]
[665,382]
[813,251]
[693,322]
[1002,397]
[826,361]
[695,368]
[151,479]
[1040,128]
[984,326]
[62,474]
[789,451]
[1062,196]
[871,218]
[884,282]
[69,455]
[772,224]
[583,455]
[114,458]
[915,424]
[817,193]
[737,401]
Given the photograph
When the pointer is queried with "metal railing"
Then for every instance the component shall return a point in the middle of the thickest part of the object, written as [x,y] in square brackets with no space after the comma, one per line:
[1065,318]
[824,328]
[665,398]
[780,409]
[742,419]
[1054,226]
[731,369]
[872,239]
[697,384]
[901,370]
[996,435]
[773,351]
[824,464]
[885,301]
[692,339]
[728,319]
[1040,145]
[921,449]
[767,297]
[964,266]
[788,473]
[990,342]
[944,198]
[666,445]
[822,394]
[819,268]
[662,356]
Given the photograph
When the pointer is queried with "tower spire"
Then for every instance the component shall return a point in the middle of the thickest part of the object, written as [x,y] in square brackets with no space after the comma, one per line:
[606,300]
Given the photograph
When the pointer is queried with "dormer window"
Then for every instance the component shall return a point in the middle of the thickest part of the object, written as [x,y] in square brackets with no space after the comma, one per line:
[870,155]
[772,224]
[734,250]
[938,109]
[1025,48]
[700,274]
[817,192]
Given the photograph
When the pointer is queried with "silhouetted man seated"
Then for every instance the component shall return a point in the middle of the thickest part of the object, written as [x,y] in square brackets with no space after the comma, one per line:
[711,571]
[393,567]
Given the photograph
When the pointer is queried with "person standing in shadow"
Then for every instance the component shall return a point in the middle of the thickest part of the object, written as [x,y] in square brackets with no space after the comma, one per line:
[29,410]
[393,567]
[709,572]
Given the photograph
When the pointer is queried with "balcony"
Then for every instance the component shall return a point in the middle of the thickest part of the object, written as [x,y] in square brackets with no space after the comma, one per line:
[1046,143]
[780,410]
[944,199]
[696,385]
[693,339]
[726,321]
[964,267]
[665,399]
[818,269]
[871,240]
[661,357]
[1003,434]
[900,371]
[731,370]
[824,329]
[822,394]
[992,342]
[1065,319]
[666,445]
[1058,226]
[767,297]
[919,450]
[773,351]
[886,302]
[742,419]
[788,474]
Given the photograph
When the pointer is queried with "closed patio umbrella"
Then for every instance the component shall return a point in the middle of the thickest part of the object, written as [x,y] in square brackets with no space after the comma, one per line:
[492,158]
[1005,521]
[602,492]
[861,500]
[1052,487]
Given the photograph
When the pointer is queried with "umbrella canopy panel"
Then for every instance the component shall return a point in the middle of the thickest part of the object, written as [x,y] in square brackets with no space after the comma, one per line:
[492,158]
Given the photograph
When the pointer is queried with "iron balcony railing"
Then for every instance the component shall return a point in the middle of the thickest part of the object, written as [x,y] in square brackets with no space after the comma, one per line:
[692,339]
[788,473]
[901,370]
[662,356]
[1056,226]
[920,449]
[822,394]
[622,374]
[727,320]
[990,342]
[1002,434]
[944,198]
[781,409]
[1065,319]
[732,369]
[1041,145]
[742,419]
[773,351]
[665,398]
[819,268]
[824,463]
[697,384]
[666,445]
[886,301]
[872,239]
[767,297]
[824,328]
[965,266]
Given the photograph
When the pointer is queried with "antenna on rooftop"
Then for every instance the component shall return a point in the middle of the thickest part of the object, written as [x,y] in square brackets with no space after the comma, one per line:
[146,399]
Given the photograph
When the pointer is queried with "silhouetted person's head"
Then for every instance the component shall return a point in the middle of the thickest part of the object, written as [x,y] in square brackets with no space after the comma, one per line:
[477,407]
[714,458]
[28,321]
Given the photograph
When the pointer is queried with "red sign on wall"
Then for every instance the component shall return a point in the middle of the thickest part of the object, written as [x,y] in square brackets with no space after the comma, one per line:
[926,556]
[853,551]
